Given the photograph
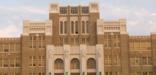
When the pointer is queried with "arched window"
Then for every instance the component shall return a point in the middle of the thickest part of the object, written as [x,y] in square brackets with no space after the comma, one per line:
[91,63]
[59,64]
[75,64]
[72,27]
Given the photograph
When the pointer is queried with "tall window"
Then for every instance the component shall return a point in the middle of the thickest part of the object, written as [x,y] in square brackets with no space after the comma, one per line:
[108,60]
[85,10]
[72,27]
[59,64]
[65,27]
[84,40]
[83,27]
[1,62]
[6,63]
[74,10]
[141,61]
[32,61]
[75,64]
[61,27]
[37,41]
[76,27]
[116,60]
[112,39]
[63,10]
[87,26]
[140,45]
[91,63]
[142,73]
[108,73]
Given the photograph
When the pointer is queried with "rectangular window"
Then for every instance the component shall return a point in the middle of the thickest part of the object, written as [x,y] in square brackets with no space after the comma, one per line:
[12,63]
[116,73]
[83,40]
[6,63]
[17,63]
[63,10]
[85,10]
[144,61]
[12,48]
[18,47]
[32,61]
[1,63]
[83,27]
[76,27]
[138,73]
[106,73]
[61,27]
[32,39]
[65,27]
[145,73]
[108,60]
[1,47]
[6,48]
[87,27]
[74,10]
[72,27]
[149,60]
[140,45]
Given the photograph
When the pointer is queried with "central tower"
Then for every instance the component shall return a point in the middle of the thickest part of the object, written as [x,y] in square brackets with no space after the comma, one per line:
[74,25]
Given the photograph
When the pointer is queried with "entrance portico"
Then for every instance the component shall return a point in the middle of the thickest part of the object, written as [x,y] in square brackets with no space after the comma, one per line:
[75,60]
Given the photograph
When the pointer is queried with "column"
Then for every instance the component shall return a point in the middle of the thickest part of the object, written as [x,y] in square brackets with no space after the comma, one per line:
[66,59]
[83,60]
[153,47]
[49,60]
[125,68]
[99,59]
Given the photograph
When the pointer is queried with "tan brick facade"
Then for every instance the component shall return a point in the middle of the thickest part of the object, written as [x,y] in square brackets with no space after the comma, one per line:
[75,41]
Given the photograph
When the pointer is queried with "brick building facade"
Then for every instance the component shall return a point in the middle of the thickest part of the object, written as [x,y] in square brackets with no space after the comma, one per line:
[75,41]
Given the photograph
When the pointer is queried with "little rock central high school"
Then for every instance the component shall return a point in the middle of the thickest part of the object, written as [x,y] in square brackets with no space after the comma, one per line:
[75,41]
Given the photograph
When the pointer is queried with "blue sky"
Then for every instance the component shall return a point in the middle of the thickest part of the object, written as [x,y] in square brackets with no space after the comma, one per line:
[140,14]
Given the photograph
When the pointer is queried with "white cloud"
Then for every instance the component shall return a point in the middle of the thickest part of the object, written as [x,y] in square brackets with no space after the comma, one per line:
[139,20]
[12,17]
[24,9]
[153,14]
[9,31]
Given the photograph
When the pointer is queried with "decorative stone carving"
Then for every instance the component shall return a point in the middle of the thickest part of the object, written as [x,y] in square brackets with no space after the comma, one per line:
[37,27]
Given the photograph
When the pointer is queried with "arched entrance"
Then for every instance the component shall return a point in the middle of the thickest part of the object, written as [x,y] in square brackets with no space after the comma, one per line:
[59,66]
[91,66]
[75,66]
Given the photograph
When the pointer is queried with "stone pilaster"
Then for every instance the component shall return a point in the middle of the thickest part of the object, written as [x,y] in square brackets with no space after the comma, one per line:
[125,54]
[67,59]
[99,59]
[49,60]
[83,59]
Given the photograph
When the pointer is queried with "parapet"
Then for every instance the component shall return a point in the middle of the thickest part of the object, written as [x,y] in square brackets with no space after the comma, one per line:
[111,26]
[37,27]
[145,37]
[91,8]
[8,39]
